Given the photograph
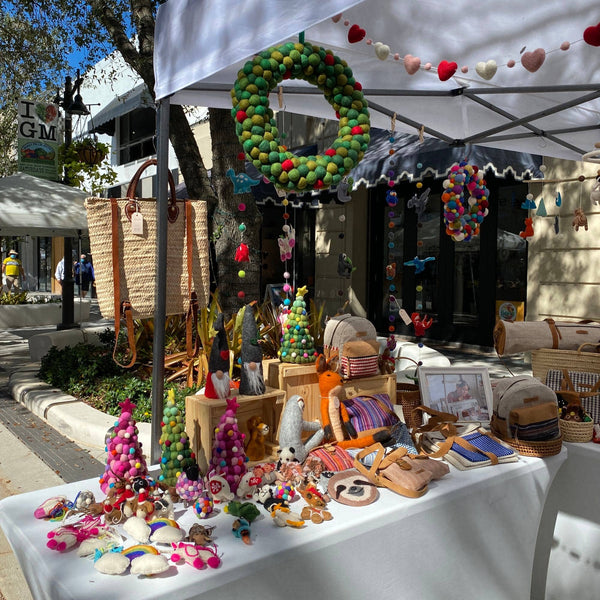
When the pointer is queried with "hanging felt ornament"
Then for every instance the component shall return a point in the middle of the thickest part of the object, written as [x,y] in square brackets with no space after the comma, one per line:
[242,183]
[391,197]
[528,228]
[390,270]
[287,242]
[342,190]
[529,202]
[345,267]
[558,199]
[421,324]
[419,203]
[541,209]
[242,253]
[579,219]
[418,264]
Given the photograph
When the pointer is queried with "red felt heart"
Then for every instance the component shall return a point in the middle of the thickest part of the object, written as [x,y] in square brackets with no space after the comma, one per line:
[532,61]
[446,70]
[592,35]
[355,34]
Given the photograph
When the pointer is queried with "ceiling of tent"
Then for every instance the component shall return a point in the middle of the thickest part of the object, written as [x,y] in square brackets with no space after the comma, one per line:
[554,111]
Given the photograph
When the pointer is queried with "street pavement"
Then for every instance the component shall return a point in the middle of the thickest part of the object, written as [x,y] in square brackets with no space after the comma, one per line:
[34,455]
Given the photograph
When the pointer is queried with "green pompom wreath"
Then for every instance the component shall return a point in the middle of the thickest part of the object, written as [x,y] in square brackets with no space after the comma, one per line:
[256,127]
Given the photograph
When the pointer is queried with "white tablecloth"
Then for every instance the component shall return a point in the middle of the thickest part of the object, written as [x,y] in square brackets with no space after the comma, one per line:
[569,538]
[472,535]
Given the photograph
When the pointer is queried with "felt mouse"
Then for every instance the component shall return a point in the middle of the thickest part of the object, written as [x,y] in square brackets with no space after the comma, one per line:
[292,448]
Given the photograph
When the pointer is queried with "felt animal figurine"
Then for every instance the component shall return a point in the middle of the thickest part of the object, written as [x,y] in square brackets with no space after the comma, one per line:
[163,508]
[219,489]
[421,324]
[255,442]
[345,267]
[242,253]
[195,555]
[217,379]
[200,535]
[292,424]
[252,381]
[419,264]
[245,510]
[595,193]
[391,197]
[419,203]
[286,242]
[139,506]
[342,191]
[67,536]
[580,220]
[247,486]
[242,184]
[528,232]
[315,511]
[279,510]
[241,530]
[108,539]
[334,416]
[390,271]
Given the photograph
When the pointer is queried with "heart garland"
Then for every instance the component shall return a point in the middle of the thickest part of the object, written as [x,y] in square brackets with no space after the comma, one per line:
[463,222]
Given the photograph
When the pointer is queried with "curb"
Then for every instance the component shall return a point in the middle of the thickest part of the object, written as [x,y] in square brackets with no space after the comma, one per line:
[75,419]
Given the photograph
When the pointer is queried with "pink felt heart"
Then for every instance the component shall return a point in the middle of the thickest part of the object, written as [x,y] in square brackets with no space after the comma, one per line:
[355,34]
[446,70]
[591,35]
[412,64]
[532,61]
[336,18]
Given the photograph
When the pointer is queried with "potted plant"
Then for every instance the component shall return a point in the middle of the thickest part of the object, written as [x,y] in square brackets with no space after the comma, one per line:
[90,151]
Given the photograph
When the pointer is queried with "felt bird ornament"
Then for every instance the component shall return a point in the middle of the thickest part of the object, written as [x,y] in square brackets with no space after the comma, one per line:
[345,267]
[418,264]
[419,203]
[242,253]
[528,229]
[421,324]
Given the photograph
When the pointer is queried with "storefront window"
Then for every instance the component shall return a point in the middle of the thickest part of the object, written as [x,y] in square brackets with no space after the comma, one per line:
[44,264]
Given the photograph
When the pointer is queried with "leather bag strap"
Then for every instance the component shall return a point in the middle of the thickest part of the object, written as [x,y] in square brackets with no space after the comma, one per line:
[119,307]
[553,332]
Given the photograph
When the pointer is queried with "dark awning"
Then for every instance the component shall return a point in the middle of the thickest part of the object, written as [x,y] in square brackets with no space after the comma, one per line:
[104,121]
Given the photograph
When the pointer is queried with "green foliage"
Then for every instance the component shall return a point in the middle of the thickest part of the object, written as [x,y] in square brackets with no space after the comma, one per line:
[92,177]
[13,298]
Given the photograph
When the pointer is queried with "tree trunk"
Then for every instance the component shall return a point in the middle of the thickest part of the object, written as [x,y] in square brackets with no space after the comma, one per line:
[225,148]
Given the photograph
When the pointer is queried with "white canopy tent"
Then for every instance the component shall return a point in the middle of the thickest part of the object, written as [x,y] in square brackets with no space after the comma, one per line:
[35,206]
[555,111]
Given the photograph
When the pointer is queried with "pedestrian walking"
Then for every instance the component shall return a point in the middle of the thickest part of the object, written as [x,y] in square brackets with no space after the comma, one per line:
[13,270]
[84,275]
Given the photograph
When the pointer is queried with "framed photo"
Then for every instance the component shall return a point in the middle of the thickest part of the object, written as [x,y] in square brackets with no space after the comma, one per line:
[463,391]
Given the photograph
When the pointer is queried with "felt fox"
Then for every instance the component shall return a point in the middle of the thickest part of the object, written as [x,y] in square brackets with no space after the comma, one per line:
[334,416]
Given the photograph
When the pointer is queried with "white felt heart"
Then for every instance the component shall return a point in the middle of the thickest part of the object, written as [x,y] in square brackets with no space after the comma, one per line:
[412,64]
[486,70]
[532,61]
[382,50]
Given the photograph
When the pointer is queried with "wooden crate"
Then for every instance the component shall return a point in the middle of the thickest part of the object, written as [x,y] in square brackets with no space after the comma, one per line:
[303,380]
[202,415]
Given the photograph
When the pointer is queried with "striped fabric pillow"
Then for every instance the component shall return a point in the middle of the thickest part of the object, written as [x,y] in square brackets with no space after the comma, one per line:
[369,412]
[361,366]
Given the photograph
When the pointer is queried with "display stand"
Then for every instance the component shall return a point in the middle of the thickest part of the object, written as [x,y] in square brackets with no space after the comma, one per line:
[304,381]
[202,415]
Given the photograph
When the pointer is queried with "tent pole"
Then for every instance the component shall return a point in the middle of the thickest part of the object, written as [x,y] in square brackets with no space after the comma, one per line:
[158,348]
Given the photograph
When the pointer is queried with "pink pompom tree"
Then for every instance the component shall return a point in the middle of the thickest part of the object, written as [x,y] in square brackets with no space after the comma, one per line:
[228,456]
[125,459]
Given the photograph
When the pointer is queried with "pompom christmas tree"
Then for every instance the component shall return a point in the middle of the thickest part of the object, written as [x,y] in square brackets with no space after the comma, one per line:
[228,456]
[125,459]
[297,345]
[176,452]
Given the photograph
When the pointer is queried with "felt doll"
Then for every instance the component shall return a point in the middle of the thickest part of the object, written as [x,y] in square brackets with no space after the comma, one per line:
[255,442]
[334,416]
[528,228]
[292,424]
[217,379]
[252,382]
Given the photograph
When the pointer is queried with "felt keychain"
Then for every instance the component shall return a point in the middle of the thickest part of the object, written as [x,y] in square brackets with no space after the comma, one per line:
[67,536]
[195,556]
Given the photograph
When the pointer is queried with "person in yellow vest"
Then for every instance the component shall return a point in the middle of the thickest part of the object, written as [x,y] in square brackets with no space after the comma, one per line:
[12,270]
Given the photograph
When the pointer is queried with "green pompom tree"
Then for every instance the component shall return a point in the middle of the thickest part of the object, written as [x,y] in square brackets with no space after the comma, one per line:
[297,345]
[176,452]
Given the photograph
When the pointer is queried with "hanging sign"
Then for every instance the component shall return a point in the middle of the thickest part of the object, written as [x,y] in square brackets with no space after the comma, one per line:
[38,139]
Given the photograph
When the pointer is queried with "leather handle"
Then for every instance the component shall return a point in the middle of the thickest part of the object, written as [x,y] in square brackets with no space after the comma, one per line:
[134,206]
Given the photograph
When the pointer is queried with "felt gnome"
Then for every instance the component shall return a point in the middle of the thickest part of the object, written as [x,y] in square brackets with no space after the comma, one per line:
[217,380]
[252,381]
[228,457]
[125,459]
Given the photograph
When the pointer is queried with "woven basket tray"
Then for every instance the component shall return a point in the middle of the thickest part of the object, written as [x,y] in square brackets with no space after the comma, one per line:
[546,359]
[537,449]
[408,397]
[574,431]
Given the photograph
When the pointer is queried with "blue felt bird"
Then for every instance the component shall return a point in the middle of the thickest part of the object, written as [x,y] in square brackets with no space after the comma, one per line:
[418,264]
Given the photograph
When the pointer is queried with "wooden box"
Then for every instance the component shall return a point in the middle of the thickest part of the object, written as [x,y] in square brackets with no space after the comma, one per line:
[202,415]
[303,380]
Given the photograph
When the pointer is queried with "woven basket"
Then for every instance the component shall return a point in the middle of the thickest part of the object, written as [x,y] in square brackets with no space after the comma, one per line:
[574,431]
[408,397]
[546,359]
[537,449]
